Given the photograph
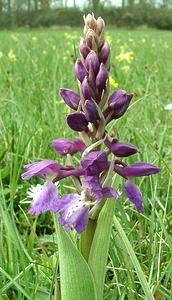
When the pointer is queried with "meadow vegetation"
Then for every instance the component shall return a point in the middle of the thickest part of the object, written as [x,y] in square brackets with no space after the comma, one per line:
[34,64]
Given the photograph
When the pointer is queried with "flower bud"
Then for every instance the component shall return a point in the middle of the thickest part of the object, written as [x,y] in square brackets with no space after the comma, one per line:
[100,26]
[90,22]
[80,70]
[105,53]
[84,49]
[91,113]
[71,98]
[101,77]
[87,91]
[117,104]
[93,60]
[77,121]
[122,149]
[136,170]
[91,40]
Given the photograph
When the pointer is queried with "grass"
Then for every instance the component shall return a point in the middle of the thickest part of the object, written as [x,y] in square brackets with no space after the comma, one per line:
[32,114]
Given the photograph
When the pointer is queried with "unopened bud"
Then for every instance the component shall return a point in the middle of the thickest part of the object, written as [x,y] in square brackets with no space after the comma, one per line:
[84,49]
[105,53]
[90,23]
[80,70]
[87,91]
[91,40]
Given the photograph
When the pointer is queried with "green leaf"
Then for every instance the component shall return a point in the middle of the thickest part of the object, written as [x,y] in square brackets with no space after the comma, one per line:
[100,246]
[134,260]
[75,276]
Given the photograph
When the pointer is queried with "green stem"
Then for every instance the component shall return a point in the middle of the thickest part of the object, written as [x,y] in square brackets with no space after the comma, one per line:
[87,238]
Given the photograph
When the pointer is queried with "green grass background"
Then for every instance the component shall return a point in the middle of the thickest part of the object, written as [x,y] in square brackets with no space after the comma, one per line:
[32,114]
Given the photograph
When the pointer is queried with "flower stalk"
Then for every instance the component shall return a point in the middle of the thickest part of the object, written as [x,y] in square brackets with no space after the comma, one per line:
[88,210]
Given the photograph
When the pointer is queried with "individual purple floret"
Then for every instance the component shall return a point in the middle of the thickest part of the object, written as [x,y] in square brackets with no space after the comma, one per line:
[97,154]
[64,146]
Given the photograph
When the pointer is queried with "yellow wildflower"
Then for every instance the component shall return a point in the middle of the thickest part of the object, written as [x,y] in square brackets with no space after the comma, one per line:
[1,54]
[127,56]
[125,68]
[34,39]
[113,82]
[143,40]
[166,45]
[11,56]
[109,39]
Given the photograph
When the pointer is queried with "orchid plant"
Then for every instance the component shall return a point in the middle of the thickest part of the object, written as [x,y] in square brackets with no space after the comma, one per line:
[87,210]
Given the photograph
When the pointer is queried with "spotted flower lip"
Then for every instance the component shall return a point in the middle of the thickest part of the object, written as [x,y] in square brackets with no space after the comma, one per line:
[44,198]
[74,208]
[64,146]
[71,98]
[95,162]
[133,193]
[136,170]
[77,121]
[41,169]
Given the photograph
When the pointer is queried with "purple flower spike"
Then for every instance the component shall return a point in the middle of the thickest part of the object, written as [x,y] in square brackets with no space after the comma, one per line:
[71,98]
[80,70]
[87,91]
[101,77]
[91,113]
[95,162]
[41,169]
[105,52]
[137,170]
[73,211]
[122,149]
[64,146]
[77,121]
[44,198]
[133,193]
[92,59]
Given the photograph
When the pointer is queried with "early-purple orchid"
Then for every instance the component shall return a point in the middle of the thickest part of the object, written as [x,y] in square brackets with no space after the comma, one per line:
[93,108]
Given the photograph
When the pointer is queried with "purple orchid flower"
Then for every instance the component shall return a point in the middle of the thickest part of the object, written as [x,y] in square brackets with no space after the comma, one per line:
[77,121]
[41,169]
[74,208]
[64,146]
[95,162]
[71,98]
[135,170]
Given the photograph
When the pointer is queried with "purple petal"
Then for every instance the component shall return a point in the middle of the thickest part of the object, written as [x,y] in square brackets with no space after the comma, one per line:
[71,98]
[73,212]
[92,59]
[122,149]
[41,169]
[110,192]
[137,170]
[118,103]
[77,172]
[105,52]
[133,193]
[101,77]
[93,190]
[45,197]
[91,113]
[80,70]
[64,146]
[84,49]
[87,91]
[77,121]
[95,162]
